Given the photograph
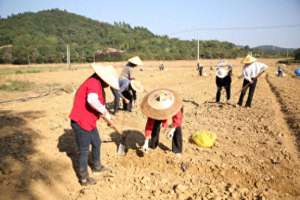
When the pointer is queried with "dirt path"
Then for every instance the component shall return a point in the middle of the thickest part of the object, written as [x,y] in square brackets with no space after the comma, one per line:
[255,156]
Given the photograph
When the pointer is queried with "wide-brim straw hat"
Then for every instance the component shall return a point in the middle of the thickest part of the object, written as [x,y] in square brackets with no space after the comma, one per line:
[108,74]
[137,86]
[135,60]
[248,59]
[160,104]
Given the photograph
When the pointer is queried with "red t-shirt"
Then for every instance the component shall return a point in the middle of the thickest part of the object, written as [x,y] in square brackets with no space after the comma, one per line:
[176,122]
[82,113]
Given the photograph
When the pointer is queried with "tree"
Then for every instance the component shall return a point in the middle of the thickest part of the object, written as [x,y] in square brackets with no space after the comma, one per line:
[297,54]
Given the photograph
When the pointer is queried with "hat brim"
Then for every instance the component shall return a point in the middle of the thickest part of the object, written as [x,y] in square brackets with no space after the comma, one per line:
[249,61]
[108,74]
[136,61]
[137,86]
[164,113]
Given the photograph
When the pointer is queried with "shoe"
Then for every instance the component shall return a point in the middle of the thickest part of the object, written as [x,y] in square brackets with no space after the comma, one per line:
[237,105]
[100,169]
[87,181]
[178,155]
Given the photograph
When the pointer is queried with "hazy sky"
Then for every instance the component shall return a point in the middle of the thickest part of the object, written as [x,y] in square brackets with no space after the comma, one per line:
[174,16]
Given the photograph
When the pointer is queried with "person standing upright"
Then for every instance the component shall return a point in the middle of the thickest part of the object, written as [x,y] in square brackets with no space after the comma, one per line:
[251,70]
[200,68]
[88,106]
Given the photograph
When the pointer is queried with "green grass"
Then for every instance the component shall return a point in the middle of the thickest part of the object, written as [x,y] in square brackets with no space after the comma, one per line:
[16,86]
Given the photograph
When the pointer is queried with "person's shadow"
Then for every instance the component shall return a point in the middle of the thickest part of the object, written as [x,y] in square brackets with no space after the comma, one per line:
[132,139]
[67,144]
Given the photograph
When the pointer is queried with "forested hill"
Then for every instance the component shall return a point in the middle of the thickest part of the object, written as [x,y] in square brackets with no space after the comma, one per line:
[42,37]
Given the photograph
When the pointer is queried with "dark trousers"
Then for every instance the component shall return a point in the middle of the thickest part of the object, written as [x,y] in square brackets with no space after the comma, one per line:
[176,140]
[223,82]
[83,140]
[116,100]
[128,95]
[200,69]
[250,94]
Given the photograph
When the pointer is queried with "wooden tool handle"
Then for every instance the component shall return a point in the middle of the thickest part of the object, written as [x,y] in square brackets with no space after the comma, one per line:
[111,124]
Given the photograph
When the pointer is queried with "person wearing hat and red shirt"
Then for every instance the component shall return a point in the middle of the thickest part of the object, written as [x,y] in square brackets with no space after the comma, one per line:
[158,106]
[251,70]
[88,107]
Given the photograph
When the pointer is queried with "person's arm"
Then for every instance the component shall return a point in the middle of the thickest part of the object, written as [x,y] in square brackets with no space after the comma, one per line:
[123,86]
[147,134]
[262,67]
[93,101]
[176,122]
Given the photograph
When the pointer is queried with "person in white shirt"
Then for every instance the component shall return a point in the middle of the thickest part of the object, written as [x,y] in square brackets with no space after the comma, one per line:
[251,70]
[223,79]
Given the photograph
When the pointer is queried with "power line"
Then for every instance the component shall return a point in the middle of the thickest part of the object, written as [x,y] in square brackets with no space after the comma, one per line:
[236,28]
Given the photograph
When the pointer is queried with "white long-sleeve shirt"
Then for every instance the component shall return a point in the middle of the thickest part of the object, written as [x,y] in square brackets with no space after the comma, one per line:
[222,71]
[93,100]
[252,70]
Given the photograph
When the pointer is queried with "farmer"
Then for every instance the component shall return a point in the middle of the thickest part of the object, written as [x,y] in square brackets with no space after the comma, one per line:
[127,92]
[125,77]
[158,106]
[130,94]
[200,69]
[89,105]
[127,72]
[161,67]
[251,70]
[223,79]
[280,71]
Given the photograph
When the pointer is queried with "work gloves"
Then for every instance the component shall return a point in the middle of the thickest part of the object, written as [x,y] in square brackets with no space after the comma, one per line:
[145,147]
[170,134]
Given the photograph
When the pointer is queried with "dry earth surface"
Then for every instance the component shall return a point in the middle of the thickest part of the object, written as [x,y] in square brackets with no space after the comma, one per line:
[256,155]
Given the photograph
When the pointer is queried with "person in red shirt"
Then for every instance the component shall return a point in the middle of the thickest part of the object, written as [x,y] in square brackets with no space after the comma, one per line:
[158,106]
[88,106]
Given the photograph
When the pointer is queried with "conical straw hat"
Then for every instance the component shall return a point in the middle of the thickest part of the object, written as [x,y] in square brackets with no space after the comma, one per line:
[137,86]
[136,60]
[248,59]
[161,104]
[108,74]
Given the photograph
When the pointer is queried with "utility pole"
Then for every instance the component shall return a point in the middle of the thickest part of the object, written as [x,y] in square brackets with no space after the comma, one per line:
[198,49]
[68,56]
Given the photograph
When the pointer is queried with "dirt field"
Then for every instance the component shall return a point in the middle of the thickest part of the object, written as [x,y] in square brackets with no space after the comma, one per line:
[256,155]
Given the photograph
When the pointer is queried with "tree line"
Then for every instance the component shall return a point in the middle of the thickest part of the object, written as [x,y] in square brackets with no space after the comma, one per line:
[42,37]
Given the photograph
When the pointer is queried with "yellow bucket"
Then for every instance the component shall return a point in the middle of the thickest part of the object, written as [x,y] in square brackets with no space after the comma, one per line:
[204,138]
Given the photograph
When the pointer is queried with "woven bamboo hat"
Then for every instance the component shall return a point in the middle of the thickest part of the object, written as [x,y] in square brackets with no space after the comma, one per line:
[108,74]
[161,104]
[137,86]
[248,59]
[135,60]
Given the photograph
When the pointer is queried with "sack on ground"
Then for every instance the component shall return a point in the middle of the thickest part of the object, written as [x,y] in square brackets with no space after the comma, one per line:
[204,138]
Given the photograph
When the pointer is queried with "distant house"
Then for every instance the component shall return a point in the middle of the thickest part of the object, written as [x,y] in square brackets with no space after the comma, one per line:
[108,54]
